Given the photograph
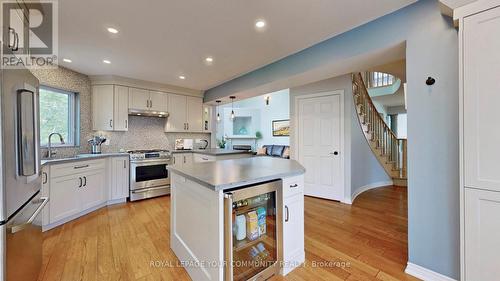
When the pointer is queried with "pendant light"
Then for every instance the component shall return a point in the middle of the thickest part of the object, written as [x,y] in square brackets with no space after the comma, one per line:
[217,109]
[232,106]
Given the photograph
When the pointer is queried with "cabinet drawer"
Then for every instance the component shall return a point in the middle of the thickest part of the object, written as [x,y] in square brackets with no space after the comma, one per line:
[76,167]
[203,158]
[293,185]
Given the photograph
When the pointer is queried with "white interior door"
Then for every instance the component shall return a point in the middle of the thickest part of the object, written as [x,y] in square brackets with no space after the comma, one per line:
[319,143]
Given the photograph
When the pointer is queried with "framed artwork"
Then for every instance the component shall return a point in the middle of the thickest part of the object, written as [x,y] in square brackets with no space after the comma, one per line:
[281,128]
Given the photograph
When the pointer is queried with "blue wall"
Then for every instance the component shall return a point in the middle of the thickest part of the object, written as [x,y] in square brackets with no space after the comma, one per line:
[431,50]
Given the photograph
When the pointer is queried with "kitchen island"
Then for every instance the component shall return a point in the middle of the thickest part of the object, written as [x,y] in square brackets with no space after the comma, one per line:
[238,219]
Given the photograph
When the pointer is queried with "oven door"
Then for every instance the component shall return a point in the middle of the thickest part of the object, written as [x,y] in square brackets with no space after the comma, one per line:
[149,173]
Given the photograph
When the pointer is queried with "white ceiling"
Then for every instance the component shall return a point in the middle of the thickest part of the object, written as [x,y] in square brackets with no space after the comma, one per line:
[159,40]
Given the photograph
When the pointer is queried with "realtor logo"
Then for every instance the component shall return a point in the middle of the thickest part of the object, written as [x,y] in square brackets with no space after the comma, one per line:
[29,34]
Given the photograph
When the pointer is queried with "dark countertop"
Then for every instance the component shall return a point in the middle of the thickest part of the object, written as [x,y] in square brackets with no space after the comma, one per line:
[213,151]
[81,157]
[227,174]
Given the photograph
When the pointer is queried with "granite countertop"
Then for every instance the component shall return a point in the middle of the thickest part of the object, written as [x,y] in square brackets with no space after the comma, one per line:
[228,174]
[81,157]
[213,151]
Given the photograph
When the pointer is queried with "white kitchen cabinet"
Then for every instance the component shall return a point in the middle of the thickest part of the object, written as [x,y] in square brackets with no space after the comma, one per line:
[119,178]
[194,117]
[138,99]
[109,108]
[482,230]
[177,109]
[207,118]
[64,197]
[181,159]
[293,223]
[158,101]
[185,114]
[93,191]
[481,99]
[187,158]
[102,107]
[479,139]
[120,108]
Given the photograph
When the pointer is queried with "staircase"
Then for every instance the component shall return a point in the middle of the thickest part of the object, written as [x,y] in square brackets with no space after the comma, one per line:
[388,149]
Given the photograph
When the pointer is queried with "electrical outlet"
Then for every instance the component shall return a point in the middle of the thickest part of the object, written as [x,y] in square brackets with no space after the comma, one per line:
[107,142]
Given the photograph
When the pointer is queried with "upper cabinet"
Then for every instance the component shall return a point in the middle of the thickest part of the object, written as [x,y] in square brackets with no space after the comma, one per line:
[109,108]
[138,99]
[158,101]
[185,114]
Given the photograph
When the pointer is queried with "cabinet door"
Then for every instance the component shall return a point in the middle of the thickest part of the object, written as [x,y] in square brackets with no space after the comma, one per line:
[482,232]
[120,108]
[45,192]
[481,99]
[119,178]
[102,107]
[138,99]
[187,158]
[178,159]
[293,231]
[176,121]
[194,114]
[158,101]
[64,197]
[93,190]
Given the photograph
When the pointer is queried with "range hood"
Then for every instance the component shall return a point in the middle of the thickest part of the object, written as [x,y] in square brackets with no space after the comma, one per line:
[149,113]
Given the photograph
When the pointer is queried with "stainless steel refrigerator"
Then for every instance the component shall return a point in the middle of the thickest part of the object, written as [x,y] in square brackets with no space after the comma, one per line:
[20,181]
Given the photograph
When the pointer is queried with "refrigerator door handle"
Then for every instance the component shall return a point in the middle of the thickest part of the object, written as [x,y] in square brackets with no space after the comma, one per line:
[27,136]
[228,236]
[16,228]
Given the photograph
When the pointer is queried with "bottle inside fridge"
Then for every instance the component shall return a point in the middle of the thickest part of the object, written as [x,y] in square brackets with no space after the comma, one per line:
[254,238]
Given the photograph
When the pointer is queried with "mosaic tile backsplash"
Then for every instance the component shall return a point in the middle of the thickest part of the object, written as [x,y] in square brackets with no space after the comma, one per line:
[143,133]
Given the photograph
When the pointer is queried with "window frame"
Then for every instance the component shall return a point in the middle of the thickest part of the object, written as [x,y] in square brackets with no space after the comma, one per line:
[73,118]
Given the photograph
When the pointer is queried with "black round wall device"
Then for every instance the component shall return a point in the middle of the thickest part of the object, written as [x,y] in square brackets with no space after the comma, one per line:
[430,81]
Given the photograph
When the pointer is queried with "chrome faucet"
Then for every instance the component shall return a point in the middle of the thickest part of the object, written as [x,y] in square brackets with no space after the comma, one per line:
[49,145]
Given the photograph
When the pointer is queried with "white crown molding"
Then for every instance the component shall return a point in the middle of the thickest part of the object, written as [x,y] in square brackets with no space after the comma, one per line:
[366,188]
[425,274]
[135,83]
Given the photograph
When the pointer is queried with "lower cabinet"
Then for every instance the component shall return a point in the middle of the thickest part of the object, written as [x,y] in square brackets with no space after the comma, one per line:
[181,159]
[293,223]
[119,178]
[64,197]
[79,187]
[482,230]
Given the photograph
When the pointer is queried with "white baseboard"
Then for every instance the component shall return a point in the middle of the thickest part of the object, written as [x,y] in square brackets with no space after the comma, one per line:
[365,188]
[425,274]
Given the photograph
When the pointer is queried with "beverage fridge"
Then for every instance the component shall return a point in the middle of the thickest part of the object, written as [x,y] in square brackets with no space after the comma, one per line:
[20,181]
[253,230]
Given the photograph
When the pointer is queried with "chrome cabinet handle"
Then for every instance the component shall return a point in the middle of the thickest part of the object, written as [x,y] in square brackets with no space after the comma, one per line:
[126,123]
[150,103]
[85,181]
[111,123]
[46,178]
[81,182]
[16,228]
[287,217]
[13,32]
[206,159]
[80,167]
[187,124]
[294,185]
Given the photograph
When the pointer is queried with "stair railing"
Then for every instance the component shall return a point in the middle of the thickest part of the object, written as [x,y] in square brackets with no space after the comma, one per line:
[377,129]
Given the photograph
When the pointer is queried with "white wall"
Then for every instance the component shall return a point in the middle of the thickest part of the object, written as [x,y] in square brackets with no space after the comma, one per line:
[278,109]
[361,167]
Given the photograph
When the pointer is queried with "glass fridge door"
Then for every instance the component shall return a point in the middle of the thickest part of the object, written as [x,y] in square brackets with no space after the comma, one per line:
[254,231]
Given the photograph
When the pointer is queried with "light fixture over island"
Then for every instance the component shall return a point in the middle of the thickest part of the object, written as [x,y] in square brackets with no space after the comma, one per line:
[238,219]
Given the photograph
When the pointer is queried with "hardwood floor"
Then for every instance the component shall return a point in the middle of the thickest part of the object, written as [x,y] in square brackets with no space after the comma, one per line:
[365,241]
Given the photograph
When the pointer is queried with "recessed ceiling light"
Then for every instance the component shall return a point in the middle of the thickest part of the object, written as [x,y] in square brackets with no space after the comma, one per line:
[182,77]
[67,60]
[112,30]
[209,59]
[106,61]
[260,24]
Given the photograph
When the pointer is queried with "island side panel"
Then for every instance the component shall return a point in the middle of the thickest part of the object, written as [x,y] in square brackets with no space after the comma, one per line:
[197,228]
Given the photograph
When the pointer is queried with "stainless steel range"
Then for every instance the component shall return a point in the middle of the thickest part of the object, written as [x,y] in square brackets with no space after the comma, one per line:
[149,176]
